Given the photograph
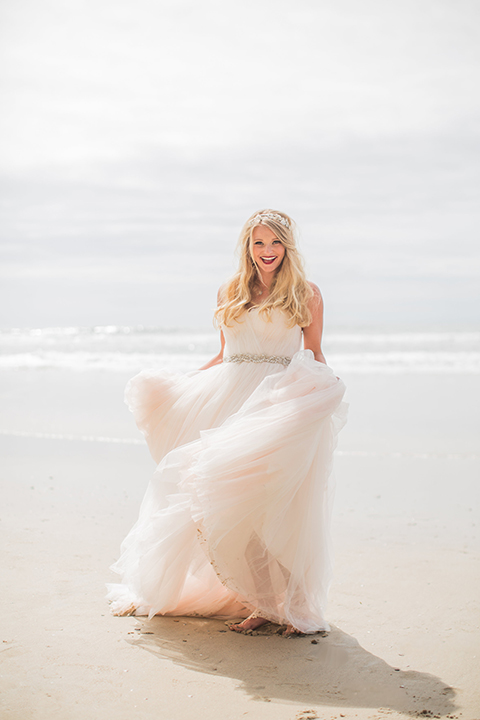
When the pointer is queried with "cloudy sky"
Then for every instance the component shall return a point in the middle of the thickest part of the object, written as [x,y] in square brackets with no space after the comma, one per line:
[137,136]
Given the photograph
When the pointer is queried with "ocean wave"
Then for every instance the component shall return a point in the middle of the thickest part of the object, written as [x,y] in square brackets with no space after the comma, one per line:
[129,349]
[114,362]
[352,363]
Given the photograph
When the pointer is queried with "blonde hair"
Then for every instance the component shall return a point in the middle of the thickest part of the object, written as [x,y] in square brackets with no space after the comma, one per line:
[289,291]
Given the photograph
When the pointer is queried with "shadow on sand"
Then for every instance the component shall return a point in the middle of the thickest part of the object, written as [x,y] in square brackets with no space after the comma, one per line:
[333,671]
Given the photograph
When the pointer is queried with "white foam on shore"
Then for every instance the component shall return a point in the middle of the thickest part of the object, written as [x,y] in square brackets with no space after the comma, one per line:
[80,438]
[339,453]
[130,349]
[383,363]
[113,362]
[405,339]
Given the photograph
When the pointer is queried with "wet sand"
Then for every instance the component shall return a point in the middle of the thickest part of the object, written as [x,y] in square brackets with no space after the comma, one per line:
[403,604]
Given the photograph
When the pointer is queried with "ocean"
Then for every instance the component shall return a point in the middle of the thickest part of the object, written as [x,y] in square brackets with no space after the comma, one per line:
[129,349]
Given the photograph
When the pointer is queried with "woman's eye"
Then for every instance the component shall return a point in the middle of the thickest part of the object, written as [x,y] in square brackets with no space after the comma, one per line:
[258,242]
[277,242]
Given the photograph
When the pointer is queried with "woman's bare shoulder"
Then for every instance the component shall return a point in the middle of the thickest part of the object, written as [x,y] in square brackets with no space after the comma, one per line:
[317,295]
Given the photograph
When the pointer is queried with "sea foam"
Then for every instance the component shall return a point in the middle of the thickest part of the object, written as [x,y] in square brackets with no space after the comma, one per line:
[129,349]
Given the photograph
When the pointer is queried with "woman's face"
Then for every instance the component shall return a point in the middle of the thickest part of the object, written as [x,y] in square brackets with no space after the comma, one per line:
[267,250]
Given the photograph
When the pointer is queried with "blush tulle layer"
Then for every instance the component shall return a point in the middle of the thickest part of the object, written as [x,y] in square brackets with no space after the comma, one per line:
[236,517]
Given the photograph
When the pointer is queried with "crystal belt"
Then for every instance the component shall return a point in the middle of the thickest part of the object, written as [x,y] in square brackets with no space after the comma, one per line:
[248,357]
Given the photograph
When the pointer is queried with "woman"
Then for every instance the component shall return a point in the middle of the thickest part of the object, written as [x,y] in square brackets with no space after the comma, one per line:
[235,522]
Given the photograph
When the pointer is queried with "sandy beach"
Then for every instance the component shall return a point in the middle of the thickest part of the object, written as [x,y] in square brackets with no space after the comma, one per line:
[404,604]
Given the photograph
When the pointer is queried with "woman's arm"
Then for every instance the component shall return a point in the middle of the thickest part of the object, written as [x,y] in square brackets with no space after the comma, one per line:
[312,335]
[218,359]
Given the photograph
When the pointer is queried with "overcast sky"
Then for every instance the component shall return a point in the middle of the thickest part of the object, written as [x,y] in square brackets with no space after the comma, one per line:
[136,137]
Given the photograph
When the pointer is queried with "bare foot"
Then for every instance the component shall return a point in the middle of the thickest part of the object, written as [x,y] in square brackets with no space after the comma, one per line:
[125,612]
[292,632]
[248,625]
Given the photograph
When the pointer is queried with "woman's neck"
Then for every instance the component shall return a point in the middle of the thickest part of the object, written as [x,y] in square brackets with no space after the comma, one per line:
[265,281]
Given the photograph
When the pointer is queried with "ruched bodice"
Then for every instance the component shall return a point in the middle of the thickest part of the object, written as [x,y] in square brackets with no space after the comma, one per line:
[255,334]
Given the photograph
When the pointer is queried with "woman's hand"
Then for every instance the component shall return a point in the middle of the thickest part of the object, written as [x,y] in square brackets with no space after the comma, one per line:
[218,359]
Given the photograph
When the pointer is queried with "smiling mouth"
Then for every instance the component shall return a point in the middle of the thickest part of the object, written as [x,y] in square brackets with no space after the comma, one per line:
[269,260]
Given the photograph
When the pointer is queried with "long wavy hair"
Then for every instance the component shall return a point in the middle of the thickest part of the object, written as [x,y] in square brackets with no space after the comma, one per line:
[289,291]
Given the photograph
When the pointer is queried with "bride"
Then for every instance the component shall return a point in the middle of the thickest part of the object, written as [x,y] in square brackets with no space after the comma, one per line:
[235,521]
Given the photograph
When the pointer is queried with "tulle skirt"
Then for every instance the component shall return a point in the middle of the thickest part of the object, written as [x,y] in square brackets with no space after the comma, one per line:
[236,517]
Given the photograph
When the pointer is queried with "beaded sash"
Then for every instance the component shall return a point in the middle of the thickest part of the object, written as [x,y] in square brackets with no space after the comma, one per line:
[249,357]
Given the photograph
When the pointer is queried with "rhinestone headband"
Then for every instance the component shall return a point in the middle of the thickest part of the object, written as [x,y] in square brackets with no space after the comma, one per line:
[270,216]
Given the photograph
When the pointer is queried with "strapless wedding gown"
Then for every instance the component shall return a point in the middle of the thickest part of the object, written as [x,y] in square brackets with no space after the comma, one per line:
[236,517]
